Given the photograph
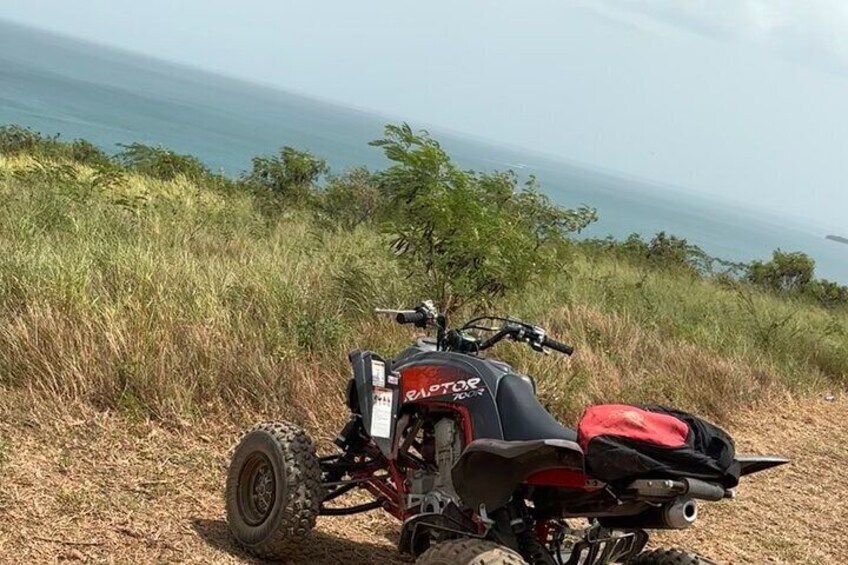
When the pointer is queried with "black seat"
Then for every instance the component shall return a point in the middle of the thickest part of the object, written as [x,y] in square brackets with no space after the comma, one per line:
[523,418]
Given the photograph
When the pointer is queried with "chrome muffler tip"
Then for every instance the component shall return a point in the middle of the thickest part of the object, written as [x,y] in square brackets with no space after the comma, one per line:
[680,514]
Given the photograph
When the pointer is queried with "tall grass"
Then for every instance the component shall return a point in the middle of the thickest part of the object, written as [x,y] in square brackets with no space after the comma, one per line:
[174,300]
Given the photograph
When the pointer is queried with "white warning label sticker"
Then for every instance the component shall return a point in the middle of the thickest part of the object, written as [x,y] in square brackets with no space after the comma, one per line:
[381,413]
[378,373]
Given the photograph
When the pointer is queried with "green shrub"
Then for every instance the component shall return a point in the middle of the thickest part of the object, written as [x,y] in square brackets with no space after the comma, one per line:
[828,293]
[794,274]
[539,216]
[86,153]
[161,163]
[785,272]
[16,139]
[671,251]
[290,175]
[663,251]
[352,198]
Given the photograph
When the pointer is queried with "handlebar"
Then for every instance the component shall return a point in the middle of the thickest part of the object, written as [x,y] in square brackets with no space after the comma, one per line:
[425,315]
[557,346]
[532,335]
[411,317]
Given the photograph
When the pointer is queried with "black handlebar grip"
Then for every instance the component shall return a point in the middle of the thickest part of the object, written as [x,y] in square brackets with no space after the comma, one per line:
[411,317]
[558,346]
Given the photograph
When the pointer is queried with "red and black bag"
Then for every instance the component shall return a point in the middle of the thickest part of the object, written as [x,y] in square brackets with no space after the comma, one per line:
[623,443]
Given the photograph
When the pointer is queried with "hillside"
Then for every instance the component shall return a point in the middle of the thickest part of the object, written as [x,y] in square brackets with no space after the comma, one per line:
[168,299]
[144,318]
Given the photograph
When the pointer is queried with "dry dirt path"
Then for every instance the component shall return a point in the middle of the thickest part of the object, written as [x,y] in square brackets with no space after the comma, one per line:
[98,489]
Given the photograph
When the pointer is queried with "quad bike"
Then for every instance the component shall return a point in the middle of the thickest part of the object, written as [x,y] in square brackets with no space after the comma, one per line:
[456,446]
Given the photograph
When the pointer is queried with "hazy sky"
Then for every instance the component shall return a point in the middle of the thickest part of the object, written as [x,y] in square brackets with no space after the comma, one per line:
[746,100]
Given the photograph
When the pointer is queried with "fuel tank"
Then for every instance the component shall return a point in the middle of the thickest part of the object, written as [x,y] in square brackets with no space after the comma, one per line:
[459,381]
[381,388]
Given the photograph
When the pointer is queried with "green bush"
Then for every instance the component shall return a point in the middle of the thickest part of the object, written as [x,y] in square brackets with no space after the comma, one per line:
[663,251]
[291,175]
[545,221]
[669,250]
[794,274]
[790,274]
[86,153]
[785,272]
[161,163]
[16,139]
[828,293]
[352,198]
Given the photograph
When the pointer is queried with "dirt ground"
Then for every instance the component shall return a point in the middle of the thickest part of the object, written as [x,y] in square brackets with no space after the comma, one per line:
[96,488]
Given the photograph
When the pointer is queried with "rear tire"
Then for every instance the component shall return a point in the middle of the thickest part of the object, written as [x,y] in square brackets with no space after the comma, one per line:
[469,552]
[669,557]
[274,489]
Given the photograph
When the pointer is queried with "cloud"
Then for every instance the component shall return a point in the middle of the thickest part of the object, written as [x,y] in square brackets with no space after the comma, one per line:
[813,32]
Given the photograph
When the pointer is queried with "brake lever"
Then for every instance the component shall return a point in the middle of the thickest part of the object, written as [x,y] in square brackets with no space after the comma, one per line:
[536,338]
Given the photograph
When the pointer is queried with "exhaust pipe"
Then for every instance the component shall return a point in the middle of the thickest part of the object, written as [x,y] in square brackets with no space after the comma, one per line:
[665,489]
[706,491]
[680,514]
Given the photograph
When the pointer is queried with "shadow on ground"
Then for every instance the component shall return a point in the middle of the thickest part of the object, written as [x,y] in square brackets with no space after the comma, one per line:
[319,549]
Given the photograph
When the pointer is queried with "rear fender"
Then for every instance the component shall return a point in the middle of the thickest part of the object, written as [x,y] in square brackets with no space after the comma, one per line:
[489,470]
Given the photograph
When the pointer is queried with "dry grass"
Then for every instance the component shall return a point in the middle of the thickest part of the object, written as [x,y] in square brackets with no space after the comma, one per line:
[620,360]
[170,300]
[171,304]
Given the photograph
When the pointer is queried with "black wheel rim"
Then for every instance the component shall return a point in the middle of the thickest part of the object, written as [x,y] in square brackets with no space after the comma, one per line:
[257,489]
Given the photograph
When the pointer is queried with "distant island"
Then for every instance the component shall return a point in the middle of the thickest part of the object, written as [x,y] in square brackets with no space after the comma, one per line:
[838,238]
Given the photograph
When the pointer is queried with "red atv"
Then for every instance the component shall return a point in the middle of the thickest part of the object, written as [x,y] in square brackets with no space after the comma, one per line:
[456,445]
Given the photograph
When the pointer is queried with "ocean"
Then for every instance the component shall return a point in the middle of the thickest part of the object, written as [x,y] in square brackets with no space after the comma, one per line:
[59,85]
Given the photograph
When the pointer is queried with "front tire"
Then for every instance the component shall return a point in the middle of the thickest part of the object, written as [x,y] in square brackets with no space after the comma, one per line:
[273,491]
[469,552]
[669,557]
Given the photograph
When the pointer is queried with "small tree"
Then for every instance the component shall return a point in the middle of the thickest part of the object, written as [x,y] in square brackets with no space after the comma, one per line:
[291,175]
[16,140]
[828,293]
[787,272]
[161,163]
[662,251]
[352,198]
[87,153]
[472,236]
[675,252]
[545,221]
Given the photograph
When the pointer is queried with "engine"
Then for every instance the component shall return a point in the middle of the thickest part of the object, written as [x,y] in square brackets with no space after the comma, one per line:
[432,489]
